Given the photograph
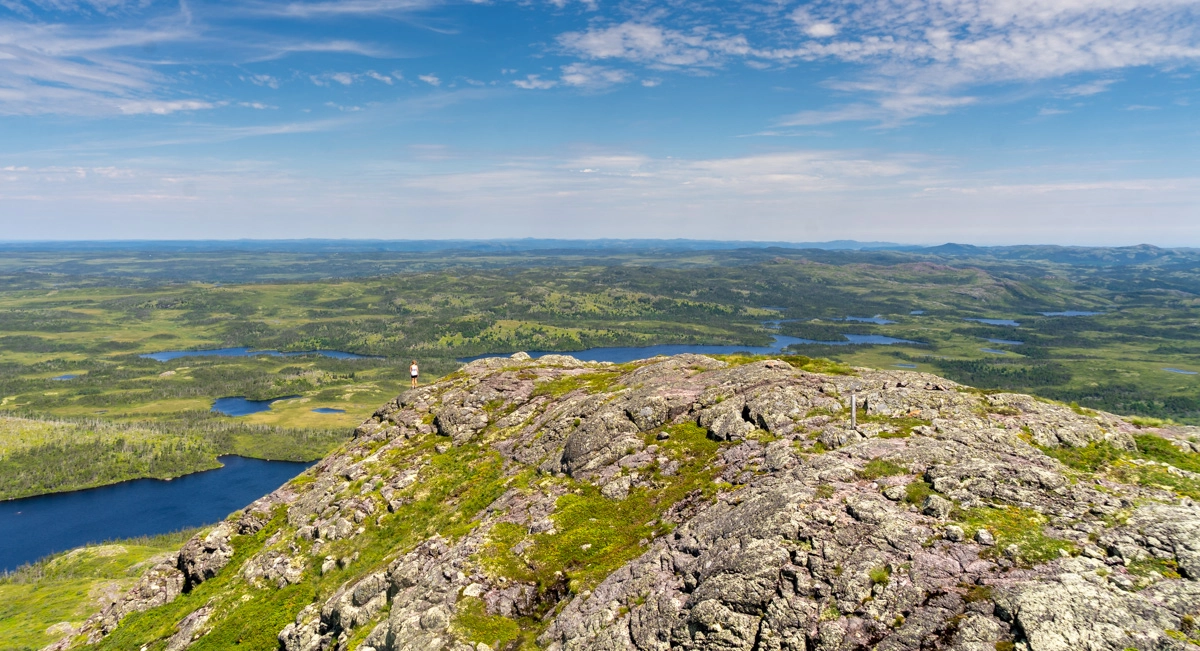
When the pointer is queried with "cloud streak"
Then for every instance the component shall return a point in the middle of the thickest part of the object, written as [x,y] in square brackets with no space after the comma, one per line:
[915,58]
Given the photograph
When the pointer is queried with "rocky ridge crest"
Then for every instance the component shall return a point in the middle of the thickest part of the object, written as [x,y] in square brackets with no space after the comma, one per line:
[697,503]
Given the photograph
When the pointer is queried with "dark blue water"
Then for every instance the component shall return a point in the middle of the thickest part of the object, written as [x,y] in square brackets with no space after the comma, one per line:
[1003,322]
[240,406]
[905,365]
[868,319]
[68,376]
[1180,371]
[994,351]
[168,355]
[328,410]
[36,526]
[1009,342]
[1070,313]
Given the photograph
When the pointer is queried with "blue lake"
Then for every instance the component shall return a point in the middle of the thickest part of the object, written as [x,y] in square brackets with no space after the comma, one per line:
[868,319]
[37,526]
[1180,371]
[328,410]
[621,355]
[168,355]
[1009,342]
[994,351]
[999,322]
[905,365]
[68,376]
[240,406]
[1070,313]
[917,312]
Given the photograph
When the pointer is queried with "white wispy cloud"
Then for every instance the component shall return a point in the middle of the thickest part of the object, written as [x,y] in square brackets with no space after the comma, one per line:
[582,75]
[914,57]
[332,8]
[55,68]
[430,79]
[1088,89]
[379,77]
[534,82]
[652,45]
[262,80]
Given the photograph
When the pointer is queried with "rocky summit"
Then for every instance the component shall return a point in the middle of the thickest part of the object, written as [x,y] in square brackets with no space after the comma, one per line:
[699,503]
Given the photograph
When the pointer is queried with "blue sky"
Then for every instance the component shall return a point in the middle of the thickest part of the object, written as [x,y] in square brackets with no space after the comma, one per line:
[982,121]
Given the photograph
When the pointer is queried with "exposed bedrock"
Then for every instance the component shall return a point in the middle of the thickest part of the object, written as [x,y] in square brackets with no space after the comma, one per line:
[699,503]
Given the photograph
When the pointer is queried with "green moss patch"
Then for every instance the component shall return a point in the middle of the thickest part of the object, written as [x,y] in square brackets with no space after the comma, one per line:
[877,468]
[900,427]
[916,492]
[1103,456]
[597,382]
[1016,526]
[595,535]
[473,624]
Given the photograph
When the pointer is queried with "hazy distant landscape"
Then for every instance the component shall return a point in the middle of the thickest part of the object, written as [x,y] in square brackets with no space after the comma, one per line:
[84,406]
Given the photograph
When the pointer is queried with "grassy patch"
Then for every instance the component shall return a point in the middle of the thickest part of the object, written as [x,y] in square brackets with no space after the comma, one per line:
[1090,458]
[1156,448]
[900,427]
[1167,569]
[66,587]
[595,535]
[1102,456]
[916,492]
[591,382]
[1016,526]
[473,624]
[1156,477]
[877,468]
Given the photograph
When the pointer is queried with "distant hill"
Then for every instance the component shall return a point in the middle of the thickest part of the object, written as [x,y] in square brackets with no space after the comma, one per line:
[416,246]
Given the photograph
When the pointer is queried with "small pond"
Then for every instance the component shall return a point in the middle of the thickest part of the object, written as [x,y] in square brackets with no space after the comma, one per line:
[994,351]
[1180,371]
[240,406]
[66,376]
[1008,342]
[37,526]
[905,365]
[917,312]
[168,355]
[877,319]
[1070,313]
[328,410]
[998,322]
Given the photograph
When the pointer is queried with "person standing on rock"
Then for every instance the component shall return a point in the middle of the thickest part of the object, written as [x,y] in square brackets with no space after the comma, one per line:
[414,372]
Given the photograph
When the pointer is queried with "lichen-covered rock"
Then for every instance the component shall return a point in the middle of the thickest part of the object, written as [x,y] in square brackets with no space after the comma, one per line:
[694,503]
[159,585]
[202,557]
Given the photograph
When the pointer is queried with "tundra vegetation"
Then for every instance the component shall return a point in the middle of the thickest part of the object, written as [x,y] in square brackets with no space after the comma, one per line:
[696,502]
[92,314]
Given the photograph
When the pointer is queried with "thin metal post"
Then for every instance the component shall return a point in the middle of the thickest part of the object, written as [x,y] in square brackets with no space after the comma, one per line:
[853,410]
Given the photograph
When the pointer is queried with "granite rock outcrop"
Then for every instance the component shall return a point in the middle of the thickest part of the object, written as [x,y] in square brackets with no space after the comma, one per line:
[710,504]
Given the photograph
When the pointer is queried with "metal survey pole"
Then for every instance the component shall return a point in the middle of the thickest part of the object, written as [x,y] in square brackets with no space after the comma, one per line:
[853,409]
